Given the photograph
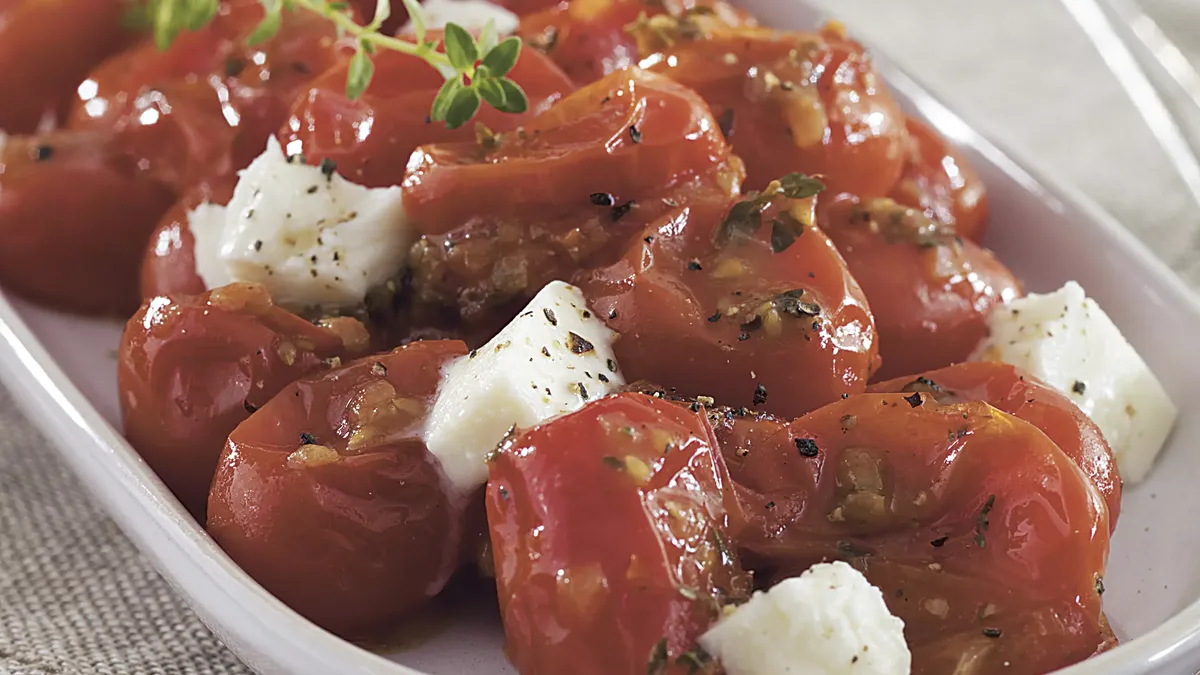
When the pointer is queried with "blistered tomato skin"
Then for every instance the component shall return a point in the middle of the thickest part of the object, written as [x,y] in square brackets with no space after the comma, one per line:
[1023,396]
[370,138]
[609,533]
[74,217]
[930,291]
[768,320]
[206,106]
[808,102]
[46,48]
[504,217]
[589,39]
[169,263]
[940,182]
[985,538]
[329,499]
[191,368]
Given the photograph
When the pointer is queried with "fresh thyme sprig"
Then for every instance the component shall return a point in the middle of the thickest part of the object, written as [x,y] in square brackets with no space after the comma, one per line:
[475,69]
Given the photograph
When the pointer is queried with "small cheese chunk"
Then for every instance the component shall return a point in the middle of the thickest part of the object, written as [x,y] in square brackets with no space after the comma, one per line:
[470,14]
[1065,340]
[551,360]
[311,237]
[828,621]
[206,223]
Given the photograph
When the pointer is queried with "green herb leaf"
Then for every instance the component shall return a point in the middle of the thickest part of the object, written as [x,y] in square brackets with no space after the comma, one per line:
[488,37]
[269,26]
[383,9]
[800,186]
[515,101]
[501,59]
[200,13]
[445,96]
[460,48]
[165,24]
[361,72]
[464,106]
[492,92]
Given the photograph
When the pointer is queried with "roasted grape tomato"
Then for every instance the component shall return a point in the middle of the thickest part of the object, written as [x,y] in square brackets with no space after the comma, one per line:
[1022,395]
[985,538]
[930,290]
[169,263]
[75,213]
[940,182]
[610,539]
[328,497]
[46,48]
[589,39]
[787,102]
[370,138]
[191,368]
[751,307]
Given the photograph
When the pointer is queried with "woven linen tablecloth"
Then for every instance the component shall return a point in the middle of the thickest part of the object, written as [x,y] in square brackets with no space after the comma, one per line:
[77,598]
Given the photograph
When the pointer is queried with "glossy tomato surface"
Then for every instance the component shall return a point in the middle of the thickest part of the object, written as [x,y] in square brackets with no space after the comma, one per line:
[328,497]
[1020,394]
[191,368]
[985,538]
[764,318]
[46,49]
[370,138]
[809,102]
[589,39]
[504,216]
[75,213]
[930,291]
[206,106]
[941,183]
[169,263]
[609,531]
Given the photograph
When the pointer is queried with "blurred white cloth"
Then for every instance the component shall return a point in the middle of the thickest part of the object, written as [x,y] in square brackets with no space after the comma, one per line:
[77,599]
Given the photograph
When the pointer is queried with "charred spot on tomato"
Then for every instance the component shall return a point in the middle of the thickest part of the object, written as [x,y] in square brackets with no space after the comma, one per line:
[622,210]
[807,447]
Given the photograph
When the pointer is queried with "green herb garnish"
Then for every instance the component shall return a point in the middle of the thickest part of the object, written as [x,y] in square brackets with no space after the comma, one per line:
[475,69]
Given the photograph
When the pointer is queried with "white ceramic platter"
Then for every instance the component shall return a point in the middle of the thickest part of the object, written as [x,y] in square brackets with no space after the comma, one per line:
[62,371]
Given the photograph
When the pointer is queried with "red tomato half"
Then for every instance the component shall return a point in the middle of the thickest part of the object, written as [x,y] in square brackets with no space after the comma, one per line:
[940,182]
[767,319]
[930,291]
[567,192]
[370,138]
[609,531]
[169,264]
[589,39]
[1023,396]
[74,216]
[796,102]
[328,497]
[46,48]
[985,538]
[191,368]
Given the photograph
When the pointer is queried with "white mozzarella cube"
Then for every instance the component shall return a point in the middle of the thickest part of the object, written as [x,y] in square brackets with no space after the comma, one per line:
[470,14]
[828,621]
[1065,340]
[311,237]
[551,360]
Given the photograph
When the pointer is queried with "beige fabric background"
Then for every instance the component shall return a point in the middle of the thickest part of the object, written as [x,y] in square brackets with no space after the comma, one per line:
[77,599]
